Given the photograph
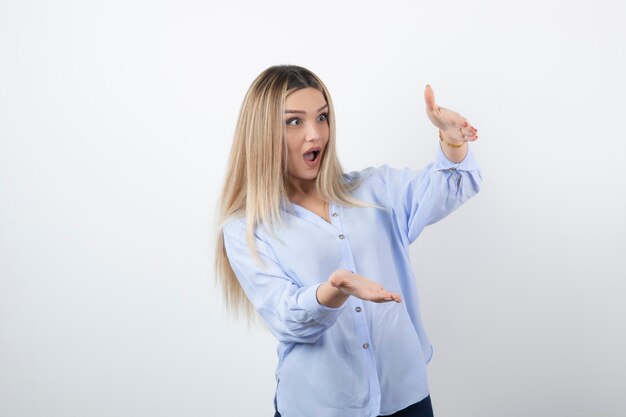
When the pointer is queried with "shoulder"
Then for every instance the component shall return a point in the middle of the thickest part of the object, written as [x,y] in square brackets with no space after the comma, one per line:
[235,227]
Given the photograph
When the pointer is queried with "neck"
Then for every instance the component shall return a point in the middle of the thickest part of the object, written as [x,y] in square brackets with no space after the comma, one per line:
[302,189]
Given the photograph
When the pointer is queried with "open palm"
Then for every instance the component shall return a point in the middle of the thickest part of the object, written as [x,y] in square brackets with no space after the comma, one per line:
[361,287]
[454,127]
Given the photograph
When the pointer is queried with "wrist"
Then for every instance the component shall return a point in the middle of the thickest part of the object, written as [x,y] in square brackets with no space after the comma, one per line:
[338,278]
[450,143]
[330,296]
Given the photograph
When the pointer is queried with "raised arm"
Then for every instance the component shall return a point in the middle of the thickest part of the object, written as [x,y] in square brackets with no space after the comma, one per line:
[420,198]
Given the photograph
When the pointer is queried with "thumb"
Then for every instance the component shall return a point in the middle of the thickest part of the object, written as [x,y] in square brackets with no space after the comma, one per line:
[429,96]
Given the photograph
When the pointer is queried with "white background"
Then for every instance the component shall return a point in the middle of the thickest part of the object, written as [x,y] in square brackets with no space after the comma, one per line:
[116,119]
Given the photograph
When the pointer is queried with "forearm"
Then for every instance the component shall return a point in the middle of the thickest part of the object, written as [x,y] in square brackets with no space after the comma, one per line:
[453,153]
[330,296]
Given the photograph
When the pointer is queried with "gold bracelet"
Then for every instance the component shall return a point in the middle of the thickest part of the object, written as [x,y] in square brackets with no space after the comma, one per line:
[452,145]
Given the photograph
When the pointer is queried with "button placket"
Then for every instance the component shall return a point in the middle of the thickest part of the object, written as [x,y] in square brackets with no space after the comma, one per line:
[333,211]
[358,309]
[361,319]
[335,214]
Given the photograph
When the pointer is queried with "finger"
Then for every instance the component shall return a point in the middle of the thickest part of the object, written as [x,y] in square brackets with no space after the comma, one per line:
[469,130]
[429,96]
[469,126]
[373,286]
[381,300]
[396,297]
[391,296]
[370,284]
[388,300]
[380,296]
[459,121]
[469,133]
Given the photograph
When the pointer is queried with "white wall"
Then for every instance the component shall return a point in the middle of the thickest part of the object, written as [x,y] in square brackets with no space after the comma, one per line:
[115,123]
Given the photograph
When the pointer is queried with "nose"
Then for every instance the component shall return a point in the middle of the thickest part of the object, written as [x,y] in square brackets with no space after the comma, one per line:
[313,133]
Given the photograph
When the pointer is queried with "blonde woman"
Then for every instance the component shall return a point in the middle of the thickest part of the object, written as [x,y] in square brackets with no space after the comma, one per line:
[323,256]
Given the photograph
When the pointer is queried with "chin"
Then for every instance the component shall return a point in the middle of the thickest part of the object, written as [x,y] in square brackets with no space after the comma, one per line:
[308,176]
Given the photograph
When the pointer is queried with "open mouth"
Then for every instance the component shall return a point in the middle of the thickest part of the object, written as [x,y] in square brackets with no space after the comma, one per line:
[312,155]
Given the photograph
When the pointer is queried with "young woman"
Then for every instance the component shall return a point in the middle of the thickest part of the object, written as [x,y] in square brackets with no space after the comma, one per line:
[323,256]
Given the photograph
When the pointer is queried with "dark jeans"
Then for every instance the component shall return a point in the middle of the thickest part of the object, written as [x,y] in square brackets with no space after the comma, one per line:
[422,408]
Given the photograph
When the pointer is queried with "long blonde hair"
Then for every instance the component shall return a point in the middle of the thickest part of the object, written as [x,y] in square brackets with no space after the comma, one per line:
[257,176]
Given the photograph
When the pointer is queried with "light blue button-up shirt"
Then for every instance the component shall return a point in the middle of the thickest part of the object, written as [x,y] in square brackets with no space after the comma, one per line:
[362,359]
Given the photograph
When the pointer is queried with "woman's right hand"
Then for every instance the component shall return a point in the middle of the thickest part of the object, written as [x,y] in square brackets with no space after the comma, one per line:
[361,287]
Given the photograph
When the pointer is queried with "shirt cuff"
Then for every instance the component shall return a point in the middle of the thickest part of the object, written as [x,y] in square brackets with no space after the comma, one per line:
[469,163]
[319,312]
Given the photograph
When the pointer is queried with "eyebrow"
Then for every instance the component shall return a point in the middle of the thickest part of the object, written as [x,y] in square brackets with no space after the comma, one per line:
[303,112]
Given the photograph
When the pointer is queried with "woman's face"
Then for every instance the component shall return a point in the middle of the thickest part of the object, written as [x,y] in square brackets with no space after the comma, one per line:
[306,132]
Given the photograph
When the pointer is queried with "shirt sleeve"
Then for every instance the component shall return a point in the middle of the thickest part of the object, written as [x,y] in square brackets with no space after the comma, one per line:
[420,198]
[290,311]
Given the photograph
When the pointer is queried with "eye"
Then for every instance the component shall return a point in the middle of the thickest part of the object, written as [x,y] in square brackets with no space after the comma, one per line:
[290,122]
[324,117]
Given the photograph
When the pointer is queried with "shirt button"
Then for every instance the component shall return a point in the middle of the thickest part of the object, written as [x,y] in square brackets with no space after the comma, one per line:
[342,237]
[335,214]
[358,309]
[366,345]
